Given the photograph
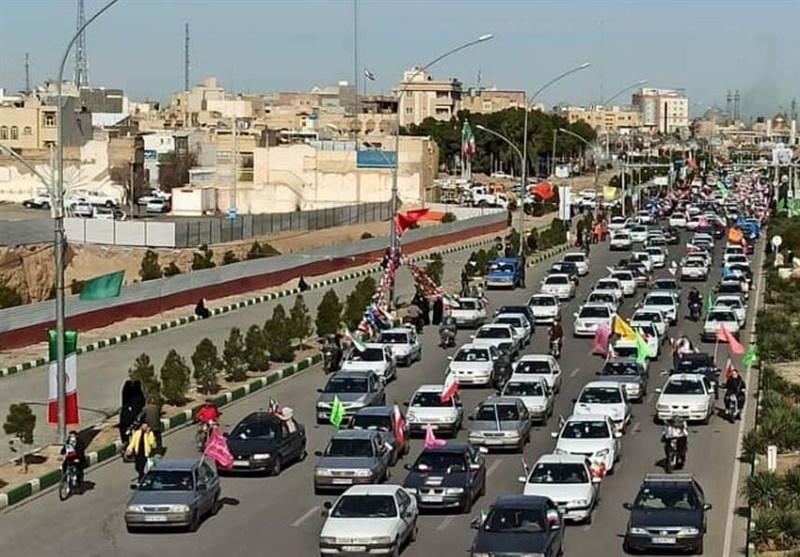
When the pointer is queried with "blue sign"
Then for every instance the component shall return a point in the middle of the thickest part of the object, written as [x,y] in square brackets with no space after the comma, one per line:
[373,158]
[150,155]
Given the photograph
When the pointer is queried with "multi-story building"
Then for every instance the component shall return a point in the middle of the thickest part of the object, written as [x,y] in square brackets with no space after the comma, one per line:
[485,101]
[32,123]
[602,119]
[662,110]
[423,97]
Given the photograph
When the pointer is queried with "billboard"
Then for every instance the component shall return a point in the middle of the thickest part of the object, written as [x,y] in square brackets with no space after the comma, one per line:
[564,201]
[374,158]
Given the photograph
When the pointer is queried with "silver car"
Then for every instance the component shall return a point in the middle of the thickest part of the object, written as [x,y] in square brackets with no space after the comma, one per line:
[534,393]
[355,390]
[353,456]
[500,422]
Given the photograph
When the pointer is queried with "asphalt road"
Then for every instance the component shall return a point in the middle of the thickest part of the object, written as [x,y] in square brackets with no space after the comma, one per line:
[281,516]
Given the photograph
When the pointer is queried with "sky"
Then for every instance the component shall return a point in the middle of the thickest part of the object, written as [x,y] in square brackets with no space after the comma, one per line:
[705,47]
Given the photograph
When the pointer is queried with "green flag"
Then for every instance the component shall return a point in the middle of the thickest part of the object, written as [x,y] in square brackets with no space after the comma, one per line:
[781,205]
[642,349]
[103,287]
[337,412]
[752,355]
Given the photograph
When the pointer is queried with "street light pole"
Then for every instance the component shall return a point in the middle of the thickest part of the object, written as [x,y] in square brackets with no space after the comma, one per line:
[60,244]
[614,96]
[576,136]
[404,86]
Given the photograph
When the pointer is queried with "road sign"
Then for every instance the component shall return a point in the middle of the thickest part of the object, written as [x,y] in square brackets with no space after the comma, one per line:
[777,241]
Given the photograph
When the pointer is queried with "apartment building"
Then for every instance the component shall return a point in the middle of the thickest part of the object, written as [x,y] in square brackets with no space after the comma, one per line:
[423,97]
[32,123]
[601,119]
[662,110]
[486,101]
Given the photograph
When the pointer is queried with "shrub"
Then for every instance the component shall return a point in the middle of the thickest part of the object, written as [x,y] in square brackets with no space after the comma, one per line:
[175,379]
[435,269]
[203,259]
[258,251]
[234,361]
[206,364]
[9,297]
[366,235]
[533,240]
[149,269]
[21,423]
[449,217]
[300,322]
[255,349]
[278,336]
[171,270]
[358,300]
[229,257]
[144,371]
[763,490]
[329,314]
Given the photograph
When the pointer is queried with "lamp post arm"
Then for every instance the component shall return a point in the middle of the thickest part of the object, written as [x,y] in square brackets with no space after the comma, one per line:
[502,138]
[557,78]
[13,154]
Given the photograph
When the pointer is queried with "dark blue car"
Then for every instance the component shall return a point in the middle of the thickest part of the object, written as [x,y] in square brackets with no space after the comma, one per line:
[520,525]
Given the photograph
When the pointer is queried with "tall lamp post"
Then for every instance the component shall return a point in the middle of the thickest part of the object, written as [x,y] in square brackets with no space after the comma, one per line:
[614,96]
[596,167]
[58,216]
[404,86]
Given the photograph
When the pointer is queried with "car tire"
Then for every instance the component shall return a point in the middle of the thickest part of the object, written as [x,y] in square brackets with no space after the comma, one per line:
[277,467]
[412,537]
[215,506]
[395,549]
[467,507]
[699,549]
[194,524]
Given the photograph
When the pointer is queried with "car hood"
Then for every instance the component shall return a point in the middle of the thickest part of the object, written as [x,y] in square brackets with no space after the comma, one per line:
[471,366]
[361,366]
[436,479]
[344,397]
[646,518]
[500,542]
[399,348]
[486,342]
[368,527]
[560,492]
[501,274]
[456,312]
[491,425]
[424,412]
[544,310]
[583,446]
[162,498]
[615,411]
[683,400]
[246,447]
[623,378]
[346,462]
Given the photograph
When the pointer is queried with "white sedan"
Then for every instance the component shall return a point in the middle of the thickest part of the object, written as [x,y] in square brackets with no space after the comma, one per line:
[558,285]
[663,301]
[534,393]
[403,343]
[654,317]
[520,324]
[620,241]
[544,307]
[611,285]
[581,261]
[541,365]
[591,436]
[606,398]
[590,317]
[567,481]
[471,312]
[686,395]
[627,281]
[718,317]
[658,255]
[375,357]
[677,220]
[735,304]
[473,365]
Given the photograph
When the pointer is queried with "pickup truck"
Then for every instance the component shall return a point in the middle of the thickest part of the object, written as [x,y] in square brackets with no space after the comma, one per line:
[41,201]
[483,197]
[98,199]
[505,272]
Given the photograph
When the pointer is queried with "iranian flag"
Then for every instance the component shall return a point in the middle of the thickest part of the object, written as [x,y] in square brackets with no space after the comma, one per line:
[450,386]
[71,369]
[467,141]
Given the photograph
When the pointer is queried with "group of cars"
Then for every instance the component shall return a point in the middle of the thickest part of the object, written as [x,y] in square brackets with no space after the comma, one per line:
[94,204]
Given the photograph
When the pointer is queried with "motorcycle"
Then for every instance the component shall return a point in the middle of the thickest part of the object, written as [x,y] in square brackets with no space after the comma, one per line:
[501,371]
[732,407]
[555,348]
[694,311]
[201,437]
[330,360]
[671,454]
[447,337]
[69,482]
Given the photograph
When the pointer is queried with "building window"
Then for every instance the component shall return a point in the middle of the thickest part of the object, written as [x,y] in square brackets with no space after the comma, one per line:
[49,120]
[26,130]
[14,132]
[409,110]
[4,132]
[487,105]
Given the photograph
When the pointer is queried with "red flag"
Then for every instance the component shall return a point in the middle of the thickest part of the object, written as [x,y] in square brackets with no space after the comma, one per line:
[404,221]
[430,439]
[217,449]
[723,335]
[728,369]
[399,427]
[601,338]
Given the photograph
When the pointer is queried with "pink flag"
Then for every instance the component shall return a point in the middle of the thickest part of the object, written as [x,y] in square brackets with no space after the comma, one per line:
[399,427]
[601,338]
[723,335]
[217,449]
[431,441]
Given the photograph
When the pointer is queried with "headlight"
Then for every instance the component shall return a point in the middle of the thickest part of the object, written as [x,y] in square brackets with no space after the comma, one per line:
[179,508]
[638,531]
[411,417]
[537,408]
[411,490]
[135,509]
[363,473]
[579,502]
[322,472]
[699,408]
[662,408]
[263,456]
[453,490]
[353,405]
[512,434]
[560,451]
[330,540]
[602,454]
[688,532]
[380,539]
[481,555]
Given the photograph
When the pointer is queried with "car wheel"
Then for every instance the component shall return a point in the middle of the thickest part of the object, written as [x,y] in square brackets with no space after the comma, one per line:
[215,506]
[45,206]
[194,524]
[626,547]
[276,467]
[395,549]
[699,549]
[467,507]
[412,537]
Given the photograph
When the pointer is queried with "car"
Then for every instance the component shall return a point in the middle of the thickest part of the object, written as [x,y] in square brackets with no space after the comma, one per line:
[663,301]
[654,317]
[607,398]
[157,205]
[686,395]
[539,365]
[500,422]
[733,249]
[355,390]
[626,280]
[581,261]
[500,336]
[655,240]
[672,235]
[523,309]
[669,285]
[734,287]
[668,513]
[261,442]
[153,193]
[630,373]
[516,523]
[40,201]
[699,363]
[546,308]
[520,324]
[644,217]
[375,357]
[558,285]
[603,297]
[369,520]
[620,241]
[677,220]
[383,419]
[619,223]
[473,364]
[693,269]
[590,317]
[533,391]
[735,304]
[566,268]
[470,312]
[427,408]
[352,457]
[718,317]
[638,233]
[174,493]
[644,258]
[612,285]
[740,270]
[641,275]
[95,198]
[658,255]
[403,343]
[735,259]
[505,272]
[568,481]
[83,209]
[591,436]
[105,213]
[449,476]
[694,222]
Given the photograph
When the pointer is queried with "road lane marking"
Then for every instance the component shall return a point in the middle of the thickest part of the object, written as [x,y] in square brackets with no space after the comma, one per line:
[574,372]
[636,427]
[305,517]
[586,528]
[445,523]
[494,466]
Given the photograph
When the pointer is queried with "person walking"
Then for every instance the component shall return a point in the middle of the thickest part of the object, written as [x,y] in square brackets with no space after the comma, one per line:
[152,417]
[141,448]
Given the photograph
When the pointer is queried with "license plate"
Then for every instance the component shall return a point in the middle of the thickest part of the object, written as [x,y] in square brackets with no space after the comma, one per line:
[493,441]
[664,540]
[354,548]
[241,463]
[434,427]
[432,498]
[342,481]
[155,518]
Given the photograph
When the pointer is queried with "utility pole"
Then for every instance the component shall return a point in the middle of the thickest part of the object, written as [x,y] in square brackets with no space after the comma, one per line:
[27,75]
[235,163]
[131,200]
[622,197]
[186,57]
[553,156]
[81,56]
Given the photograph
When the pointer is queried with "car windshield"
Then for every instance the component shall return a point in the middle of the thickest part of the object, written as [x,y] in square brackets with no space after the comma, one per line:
[523,388]
[651,316]
[621,236]
[623,276]
[430,400]
[607,285]
[691,362]
[508,320]
[167,480]
[350,448]
[533,366]
[515,521]
[505,412]
[665,285]
[654,251]
[684,387]
[395,338]
[346,385]
[435,461]
[729,302]
[472,355]
[659,301]
[467,304]
[594,312]
[543,301]
[730,288]
[574,258]
[366,421]
[648,330]
[501,268]
[692,263]
[585,430]
[721,316]
[555,473]
[556,279]
[621,368]
[601,298]
[493,332]
[366,355]
[601,395]
[365,506]
[626,351]
[639,229]
[673,497]
[257,429]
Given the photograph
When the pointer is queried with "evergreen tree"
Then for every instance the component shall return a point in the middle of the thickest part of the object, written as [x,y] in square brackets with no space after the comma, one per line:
[149,269]
[204,259]
[144,371]
[20,423]
[206,366]
[300,321]
[278,336]
[358,300]
[255,349]
[175,376]
[329,314]
[233,357]
[435,269]
[229,257]
[171,270]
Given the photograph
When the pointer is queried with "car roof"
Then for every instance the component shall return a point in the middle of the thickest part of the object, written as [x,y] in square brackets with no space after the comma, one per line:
[354,434]
[588,417]
[515,314]
[397,330]
[372,489]
[685,377]
[535,358]
[355,374]
[500,400]
[525,378]
[583,255]
[551,275]
[601,384]
[561,459]
[373,345]
[520,501]
[177,464]
[668,478]
[495,326]
[595,305]
[471,346]
[429,389]
[449,447]
[376,411]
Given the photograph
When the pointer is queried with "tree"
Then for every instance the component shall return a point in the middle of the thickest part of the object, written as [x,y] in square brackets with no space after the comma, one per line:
[173,171]
[9,297]
[255,349]
[171,270]
[204,259]
[206,366]
[300,321]
[229,257]
[149,269]
[358,300]
[21,422]
[144,371]
[233,357]
[257,251]
[175,376]
[435,269]
[329,314]
[278,336]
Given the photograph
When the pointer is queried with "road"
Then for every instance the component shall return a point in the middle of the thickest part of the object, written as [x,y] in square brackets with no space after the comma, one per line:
[281,516]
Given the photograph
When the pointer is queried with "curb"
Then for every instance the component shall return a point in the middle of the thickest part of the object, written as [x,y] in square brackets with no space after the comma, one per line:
[31,487]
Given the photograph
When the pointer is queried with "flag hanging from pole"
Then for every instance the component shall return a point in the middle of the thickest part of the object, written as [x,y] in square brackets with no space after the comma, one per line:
[751,356]
[450,386]
[468,147]
[71,381]
[103,287]
[369,75]
[217,449]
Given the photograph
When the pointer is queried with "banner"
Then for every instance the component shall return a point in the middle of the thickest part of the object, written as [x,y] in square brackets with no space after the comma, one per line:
[71,370]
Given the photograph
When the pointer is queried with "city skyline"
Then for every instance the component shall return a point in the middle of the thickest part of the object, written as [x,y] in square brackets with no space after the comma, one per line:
[704,48]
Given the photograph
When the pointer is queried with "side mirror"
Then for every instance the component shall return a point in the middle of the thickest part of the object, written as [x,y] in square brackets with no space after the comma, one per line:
[320,390]
[475,524]
[471,418]
[575,315]
[474,466]
[483,450]
[708,507]
[658,390]
[201,486]
[134,485]
[407,466]
[626,506]
[472,337]
[522,479]
[450,357]
[405,404]
[554,435]
[617,435]
[317,453]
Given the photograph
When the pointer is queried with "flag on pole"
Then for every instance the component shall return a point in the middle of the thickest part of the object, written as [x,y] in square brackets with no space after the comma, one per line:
[623,329]
[450,301]
[217,449]
[724,335]
[601,338]
[450,386]
[751,356]
[369,75]
[103,287]
[709,303]
[71,381]
[399,426]
[337,413]
[430,438]
[728,369]
[467,140]
[357,343]
[642,349]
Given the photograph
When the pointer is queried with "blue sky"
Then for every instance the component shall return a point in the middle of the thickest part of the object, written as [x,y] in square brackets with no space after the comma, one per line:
[704,47]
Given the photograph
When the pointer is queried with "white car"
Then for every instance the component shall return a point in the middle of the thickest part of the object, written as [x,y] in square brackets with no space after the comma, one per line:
[520,324]
[606,398]
[638,233]
[83,209]
[153,193]
[735,259]
[626,280]
[619,223]
[603,297]
[370,520]
[590,317]
[157,205]
[655,240]
[625,347]
[375,357]
[545,307]
[694,269]
[610,285]
[558,285]
[735,304]
[620,240]
[426,408]
[658,255]
[664,301]
[677,220]
[733,249]
[581,261]
[654,317]
[471,312]
[591,436]
[473,365]
[534,393]
[694,222]
[403,343]
[718,317]
[566,480]
[539,365]
[686,395]
[104,213]
[644,258]
[644,217]
[501,337]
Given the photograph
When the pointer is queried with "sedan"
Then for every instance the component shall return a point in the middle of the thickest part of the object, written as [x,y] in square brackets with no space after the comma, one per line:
[652,317]
[540,365]
[516,522]
[610,284]
[558,285]
[354,389]
[385,420]
[590,317]
[534,393]
[735,304]
[352,457]
[473,365]
[627,281]
[718,317]
[591,436]
[694,270]
[670,285]
[664,302]
[470,312]
[500,337]
[629,373]
[658,255]
[500,422]
[403,344]
[686,395]
[375,357]
[606,398]
[620,241]
[677,220]
[581,261]
[262,442]
[520,324]
[545,307]
[568,481]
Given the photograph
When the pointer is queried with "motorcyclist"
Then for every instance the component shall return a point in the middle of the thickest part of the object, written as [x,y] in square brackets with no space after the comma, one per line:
[556,331]
[694,296]
[414,316]
[676,429]
[208,413]
[735,385]
[74,453]
[501,370]
[447,327]
[332,349]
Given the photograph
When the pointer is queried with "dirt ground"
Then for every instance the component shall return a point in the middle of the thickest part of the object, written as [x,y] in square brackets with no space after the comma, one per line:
[789,371]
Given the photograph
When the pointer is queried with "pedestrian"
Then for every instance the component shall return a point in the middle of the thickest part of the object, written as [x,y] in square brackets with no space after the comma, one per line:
[126,413]
[138,400]
[464,281]
[200,310]
[302,285]
[152,417]
[438,310]
[141,449]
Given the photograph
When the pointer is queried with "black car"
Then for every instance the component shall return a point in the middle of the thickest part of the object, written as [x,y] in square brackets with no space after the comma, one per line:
[698,362]
[263,442]
[567,268]
[450,476]
[520,525]
[669,513]
[523,309]
[672,235]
